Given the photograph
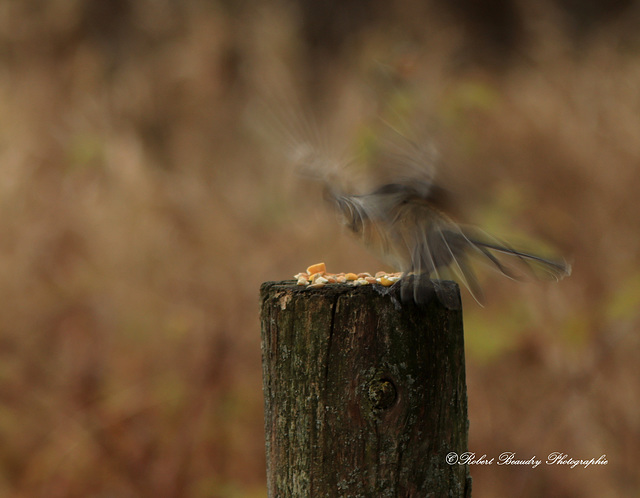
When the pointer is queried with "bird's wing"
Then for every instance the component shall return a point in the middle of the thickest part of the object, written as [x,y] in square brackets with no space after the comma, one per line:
[437,249]
[408,159]
[507,260]
[367,219]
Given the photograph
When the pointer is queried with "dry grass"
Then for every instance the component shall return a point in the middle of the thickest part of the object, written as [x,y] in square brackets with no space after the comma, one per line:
[139,216]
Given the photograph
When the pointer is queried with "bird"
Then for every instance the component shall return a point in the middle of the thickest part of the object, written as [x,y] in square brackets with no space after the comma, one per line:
[403,217]
[402,222]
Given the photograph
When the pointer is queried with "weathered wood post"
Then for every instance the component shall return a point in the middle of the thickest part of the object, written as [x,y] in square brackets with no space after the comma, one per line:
[363,398]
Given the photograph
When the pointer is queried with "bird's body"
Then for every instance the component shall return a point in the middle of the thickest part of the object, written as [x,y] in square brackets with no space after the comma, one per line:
[403,223]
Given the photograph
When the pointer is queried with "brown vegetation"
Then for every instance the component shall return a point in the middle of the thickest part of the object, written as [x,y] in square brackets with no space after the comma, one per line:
[139,214]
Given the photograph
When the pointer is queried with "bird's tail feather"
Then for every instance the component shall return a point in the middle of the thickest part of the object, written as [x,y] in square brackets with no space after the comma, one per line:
[541,267]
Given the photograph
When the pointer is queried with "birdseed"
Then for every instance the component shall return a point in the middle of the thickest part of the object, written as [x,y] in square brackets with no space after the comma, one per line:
[317,276]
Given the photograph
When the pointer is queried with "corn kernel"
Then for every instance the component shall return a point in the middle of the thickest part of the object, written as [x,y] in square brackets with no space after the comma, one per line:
[317,268]
[386,281]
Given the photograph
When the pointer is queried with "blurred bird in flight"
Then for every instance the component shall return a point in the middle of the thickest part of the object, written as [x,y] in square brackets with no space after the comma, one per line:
[403,218]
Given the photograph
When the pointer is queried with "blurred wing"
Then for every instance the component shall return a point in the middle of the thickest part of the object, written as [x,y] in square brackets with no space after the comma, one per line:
[365,219]
[291,130]
[409,160]
[507,260]
[436,246]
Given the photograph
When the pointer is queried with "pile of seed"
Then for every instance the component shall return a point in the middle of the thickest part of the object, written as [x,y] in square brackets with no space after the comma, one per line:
[317,276]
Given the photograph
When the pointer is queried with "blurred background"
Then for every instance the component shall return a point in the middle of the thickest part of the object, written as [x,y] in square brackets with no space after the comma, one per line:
[140,210]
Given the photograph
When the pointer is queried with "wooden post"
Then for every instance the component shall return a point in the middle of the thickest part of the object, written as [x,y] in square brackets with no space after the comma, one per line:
[364,397]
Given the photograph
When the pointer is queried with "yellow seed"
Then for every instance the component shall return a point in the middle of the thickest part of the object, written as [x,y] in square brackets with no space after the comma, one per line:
[384,280]
[341,279]
[317,268]
[351,276]
[317,285]
[315,276]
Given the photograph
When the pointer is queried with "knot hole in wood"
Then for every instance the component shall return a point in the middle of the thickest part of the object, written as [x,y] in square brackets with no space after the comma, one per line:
[382,393]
